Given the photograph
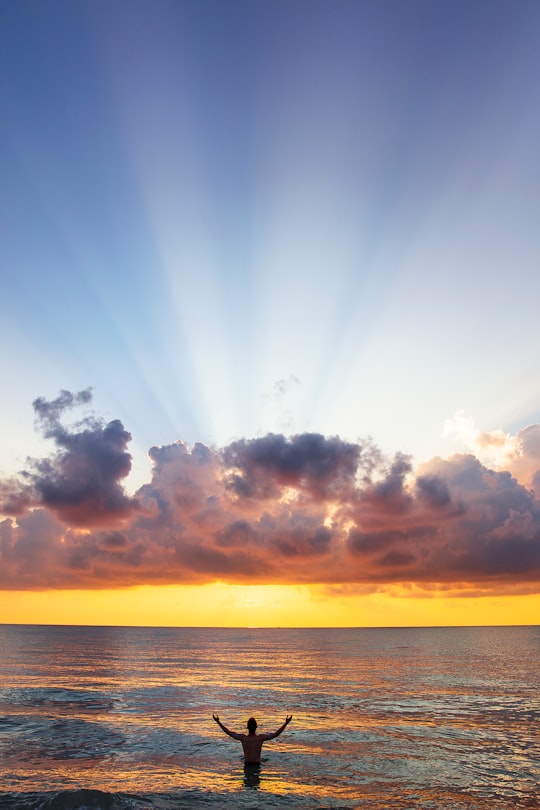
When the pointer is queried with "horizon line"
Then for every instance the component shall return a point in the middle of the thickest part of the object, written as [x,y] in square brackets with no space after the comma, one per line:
[270,627]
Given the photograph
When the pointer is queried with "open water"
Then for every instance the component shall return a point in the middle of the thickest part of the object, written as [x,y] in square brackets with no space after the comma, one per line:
[118,718]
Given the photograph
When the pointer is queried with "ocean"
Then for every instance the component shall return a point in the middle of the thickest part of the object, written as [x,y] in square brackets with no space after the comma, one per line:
[118,718]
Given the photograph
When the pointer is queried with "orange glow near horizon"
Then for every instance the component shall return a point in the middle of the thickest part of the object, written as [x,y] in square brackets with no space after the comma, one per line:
[221,605]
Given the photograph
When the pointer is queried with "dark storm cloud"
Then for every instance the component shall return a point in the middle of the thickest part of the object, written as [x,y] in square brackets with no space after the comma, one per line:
[433,490]
[300,509]
[81,481]
[238,533]
[390,493]
[113,541]
[309,461]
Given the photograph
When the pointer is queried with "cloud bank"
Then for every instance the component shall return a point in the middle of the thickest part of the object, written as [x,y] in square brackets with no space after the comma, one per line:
[300,509]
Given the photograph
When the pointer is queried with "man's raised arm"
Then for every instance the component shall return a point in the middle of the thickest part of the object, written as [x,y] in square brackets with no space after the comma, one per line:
[226,730]
[280,729]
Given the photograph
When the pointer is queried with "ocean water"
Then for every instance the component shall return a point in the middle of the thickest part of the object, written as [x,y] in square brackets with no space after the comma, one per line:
[119,718]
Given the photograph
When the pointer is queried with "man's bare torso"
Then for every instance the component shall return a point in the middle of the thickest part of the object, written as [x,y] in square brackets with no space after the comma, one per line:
[252,745]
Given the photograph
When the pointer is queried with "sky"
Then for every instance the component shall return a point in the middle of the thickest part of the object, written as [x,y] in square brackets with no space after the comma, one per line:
[269,334]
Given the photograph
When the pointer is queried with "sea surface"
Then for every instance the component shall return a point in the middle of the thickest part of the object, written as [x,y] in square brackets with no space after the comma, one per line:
[118,718]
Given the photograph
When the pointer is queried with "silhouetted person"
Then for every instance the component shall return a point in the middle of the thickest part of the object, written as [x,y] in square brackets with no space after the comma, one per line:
[252,743]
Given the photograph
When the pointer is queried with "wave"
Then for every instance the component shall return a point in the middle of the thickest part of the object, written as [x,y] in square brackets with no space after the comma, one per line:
[89,799]
[82,799]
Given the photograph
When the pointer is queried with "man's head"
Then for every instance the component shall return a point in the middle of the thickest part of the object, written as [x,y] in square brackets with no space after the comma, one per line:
[252,725]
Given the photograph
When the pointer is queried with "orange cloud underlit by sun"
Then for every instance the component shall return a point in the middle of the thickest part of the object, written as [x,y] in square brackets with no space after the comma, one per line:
[221,605]
[284,510]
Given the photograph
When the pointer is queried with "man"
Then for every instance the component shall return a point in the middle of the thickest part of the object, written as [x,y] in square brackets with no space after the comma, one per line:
[252,743]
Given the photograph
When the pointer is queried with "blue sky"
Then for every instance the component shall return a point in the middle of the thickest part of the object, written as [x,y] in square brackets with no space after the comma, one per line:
[230,218]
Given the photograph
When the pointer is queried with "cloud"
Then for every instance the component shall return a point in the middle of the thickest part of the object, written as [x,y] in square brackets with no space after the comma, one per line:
[81,481]
[518,453]
[278,405]
[300,509]
[309,463]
